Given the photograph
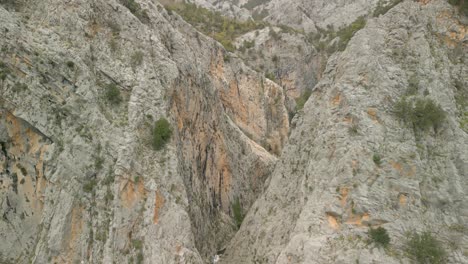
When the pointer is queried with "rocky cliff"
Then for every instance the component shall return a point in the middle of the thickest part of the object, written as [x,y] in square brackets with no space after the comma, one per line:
[352,164]
[85,83]
[80,178]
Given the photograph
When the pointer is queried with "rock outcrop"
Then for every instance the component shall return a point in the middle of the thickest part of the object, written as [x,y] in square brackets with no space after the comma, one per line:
[82,84]
[352,164]
[80,180]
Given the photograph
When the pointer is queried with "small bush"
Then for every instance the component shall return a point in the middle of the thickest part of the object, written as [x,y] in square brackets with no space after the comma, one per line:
[300,102]
[137,244]
[247,45]
[348,32]
[136,10]
[425,249]
[161,133]
[382,9]
[20,87]
[113,94]
[379,236]
[461,4]
[422,114]
[89,186]
[273,34]
[353,129]
[237,211]
[136,59]
[251,4]
[270,76]
[4,71]
[377,159]
[70,64]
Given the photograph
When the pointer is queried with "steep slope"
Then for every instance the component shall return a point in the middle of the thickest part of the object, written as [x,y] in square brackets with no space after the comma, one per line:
[295,38]
[307,15]
[352,164]
[82,84]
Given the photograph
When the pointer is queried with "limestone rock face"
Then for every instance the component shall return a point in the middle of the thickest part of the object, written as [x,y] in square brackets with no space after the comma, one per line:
[80,181]
[82,84]
[351,164]
[304,15]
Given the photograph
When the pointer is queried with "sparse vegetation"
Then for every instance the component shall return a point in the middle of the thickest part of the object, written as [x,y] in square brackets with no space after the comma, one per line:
[461,99]
[322,40]
[379,236]
[14,4]
[422,113]
[112,94]
[223,29]
[4,71]
[300,102]
[98,162]
[383,7]
[89,186]
[353,129]
[136,10]
[20,87]
[114,27]
[251,4]
[377,159]
[161,133]
[461,4]
[136,59]
[237,211]
[70,64]
[138,246]
[247,45]
[425,249]
[270,76]
[345,34]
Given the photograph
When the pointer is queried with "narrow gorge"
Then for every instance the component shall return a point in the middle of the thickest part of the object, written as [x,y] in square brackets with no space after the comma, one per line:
[247,131]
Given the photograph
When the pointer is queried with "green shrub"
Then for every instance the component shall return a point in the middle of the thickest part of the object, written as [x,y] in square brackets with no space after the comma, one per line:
[137,244]
[425,249]
[422,114]
[377,159]
[427,114]
[4,71]
[273,34]
[161,133]
[270,76]
[20,87]
[247,45]
[136,59]
[89,186]
[353,129]
[462,5]
[113,94]
[251,4]
[300,102]
[13,4]
[70,64]
[382,9]
[379,236]
[136,10]
[345,34]
[237,211]
[139,258]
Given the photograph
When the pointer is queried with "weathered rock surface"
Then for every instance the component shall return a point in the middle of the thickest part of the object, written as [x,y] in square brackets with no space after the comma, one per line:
[304,15]
[81,183]
[327,188]
[80,180]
